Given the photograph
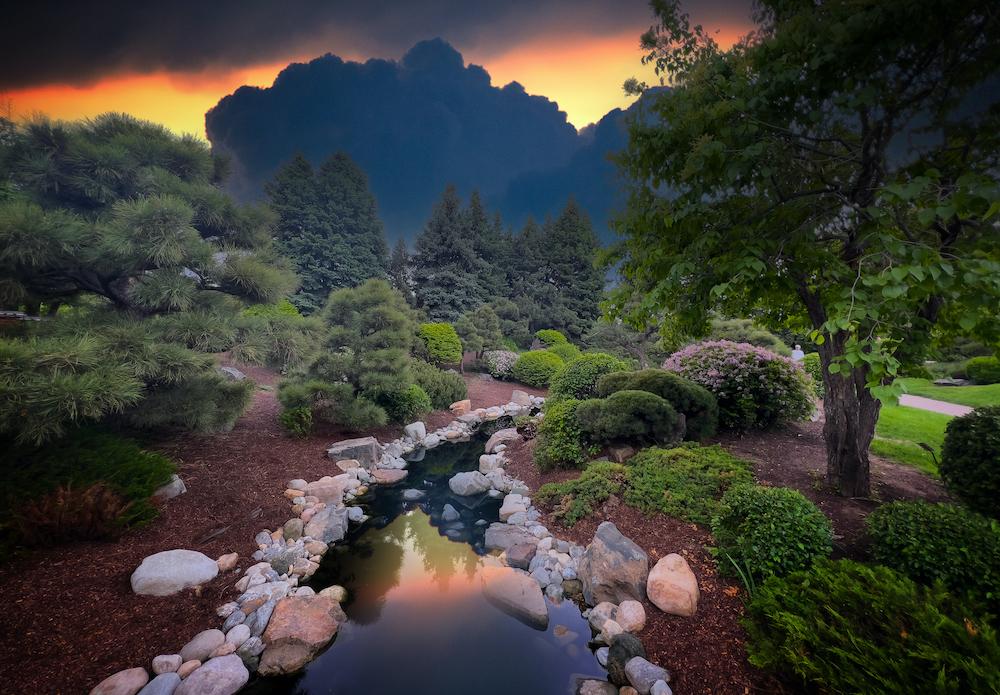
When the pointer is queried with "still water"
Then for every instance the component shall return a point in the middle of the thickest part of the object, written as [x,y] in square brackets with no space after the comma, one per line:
[417,620]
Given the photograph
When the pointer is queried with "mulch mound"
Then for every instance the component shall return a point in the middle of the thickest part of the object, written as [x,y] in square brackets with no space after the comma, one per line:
[71,618]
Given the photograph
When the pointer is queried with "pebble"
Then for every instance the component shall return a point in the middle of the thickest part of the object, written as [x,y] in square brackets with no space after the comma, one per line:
[188,667]
[237,636]
[227,562]
[166,663]
[224,649]
[226,609]
[602,656]
[163,684]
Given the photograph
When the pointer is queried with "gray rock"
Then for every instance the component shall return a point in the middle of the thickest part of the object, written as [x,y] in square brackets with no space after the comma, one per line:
[365,450]
[602,656]
[263,538]
[661,688]
[329,525]
[450,513]
[201,645]
[235,618]
[624,648]
[282,561]
[232,373]
[170,490]
[613,568]
[521,555]
[415,431]
[238,635]
[520,397]
[293,529]
[163,684]
[166,663]
[469,483]
[355,514]
[263,617]
[223,675]
[515,594]
[499,437]
[595,687]
[502,536]
[172,571]
[642,674]
[412,495]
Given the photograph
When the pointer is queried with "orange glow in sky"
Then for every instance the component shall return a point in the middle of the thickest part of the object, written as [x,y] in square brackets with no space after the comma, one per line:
[584,77]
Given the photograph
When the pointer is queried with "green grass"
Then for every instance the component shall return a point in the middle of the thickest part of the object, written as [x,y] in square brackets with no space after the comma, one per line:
[901,429]
[972,396]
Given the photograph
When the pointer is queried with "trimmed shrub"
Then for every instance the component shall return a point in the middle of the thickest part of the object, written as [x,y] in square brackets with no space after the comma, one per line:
[940,542]
[756,388]
[844,627]
[282,307]
[970,459]
[685,482]
[769,530]
[441,342]
[814,368]
[560,440]
[550,336]
[576,499]
[633,417]
[407,404]
[566,351]
[578,379]
[298,421]
[443,388]
[983,370]
[335,403]
[701,411]
[500,363]
[746,331]
[536,368]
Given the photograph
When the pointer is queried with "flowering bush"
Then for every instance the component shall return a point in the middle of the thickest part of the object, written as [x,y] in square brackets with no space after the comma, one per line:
[500,363]
[756,388]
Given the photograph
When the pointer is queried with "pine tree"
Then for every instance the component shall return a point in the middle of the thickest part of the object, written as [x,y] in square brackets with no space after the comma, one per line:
[488,242]
[399,270]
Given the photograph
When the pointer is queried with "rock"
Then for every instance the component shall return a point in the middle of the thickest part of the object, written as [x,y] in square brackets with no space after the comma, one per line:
[227,562]
[672,586]
[620,454]
[642,674]
[509,509]
[388,476]
[170,490]
[316,548]
[365,450]
[449,513]
[226,648]
[293,529]
[520,397]
[488,463]
[232,373]
[461,407]
[661,688]
[412,495]
[595,687]
[253,647]
[127,682]
[263,617]
[515,594]
[223,675]
[188,667]
[628,690]
[613,568]
[631,616]
[500,436]
[469,483]
[502,536]
[609,630]
[171,571]
[297,484]
[329,489]
[337,593]
[202,644]
[602,656]
[167,663]
[299,628]
[623,648]
[329,525]
[415,431]
[520,555]
[163,684]
[601,613]
[238,635]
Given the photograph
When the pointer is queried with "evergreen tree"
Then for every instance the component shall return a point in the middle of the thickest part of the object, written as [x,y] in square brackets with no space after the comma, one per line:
[399,270]
[488,242]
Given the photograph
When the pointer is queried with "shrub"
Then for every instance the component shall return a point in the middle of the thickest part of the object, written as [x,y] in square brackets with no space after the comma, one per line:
[500,363]
[282,307]
[701,411]
[441,342]
[549,337]
[843,627]
[633,417]
[68,513]
[560,440]
[406,404]
[335,403]
[278,340]
[566,351]
[298,421]
[756,388]
[578,379]
[573,500]
[536,368]
[983,370]
[526,426]
[931,542]
[746,331]
[814,368]
[443,388]
[684,482]
[769,530]
[970,459]
[203,331]
[205,403]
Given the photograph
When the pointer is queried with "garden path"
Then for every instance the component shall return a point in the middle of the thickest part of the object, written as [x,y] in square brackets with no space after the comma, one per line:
[934,406]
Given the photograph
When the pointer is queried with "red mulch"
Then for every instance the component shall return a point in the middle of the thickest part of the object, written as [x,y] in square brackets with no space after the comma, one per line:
[71,619]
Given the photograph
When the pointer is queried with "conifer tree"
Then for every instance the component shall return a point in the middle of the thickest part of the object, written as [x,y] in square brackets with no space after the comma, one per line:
[399,270]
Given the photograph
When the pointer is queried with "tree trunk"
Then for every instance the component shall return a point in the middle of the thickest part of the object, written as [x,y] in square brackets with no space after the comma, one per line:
[851,415]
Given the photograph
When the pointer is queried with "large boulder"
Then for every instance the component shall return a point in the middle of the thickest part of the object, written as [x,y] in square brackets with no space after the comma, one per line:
[329,525]
[613,568]
[504,536]
[516,594]
[365,450]
[171,571]
[299,628]
[415,430]
[223,675]
[520,397]
[127,682]
[501,437]
[672,586]
[469,483]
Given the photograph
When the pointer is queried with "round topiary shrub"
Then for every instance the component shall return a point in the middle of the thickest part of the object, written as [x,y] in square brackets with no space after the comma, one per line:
[844,627]
[699,406]
[536,368]
[970,459]
[760,531]
[983,370]
[500,363]
[755,388]
[560,442]
[629,417]
[567,351]
[406,405]
[441,342]
[578,379]
[550,336]
[931,542]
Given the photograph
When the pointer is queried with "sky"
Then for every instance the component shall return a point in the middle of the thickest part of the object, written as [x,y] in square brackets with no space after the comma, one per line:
[171,62]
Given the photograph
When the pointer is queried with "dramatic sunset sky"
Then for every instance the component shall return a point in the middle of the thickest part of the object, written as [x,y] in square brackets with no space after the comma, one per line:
[171,62]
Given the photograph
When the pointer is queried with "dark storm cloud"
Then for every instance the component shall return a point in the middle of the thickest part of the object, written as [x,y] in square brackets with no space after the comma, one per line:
[72,41]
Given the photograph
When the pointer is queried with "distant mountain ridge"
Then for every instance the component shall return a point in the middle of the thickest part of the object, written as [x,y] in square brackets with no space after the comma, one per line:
[415,126]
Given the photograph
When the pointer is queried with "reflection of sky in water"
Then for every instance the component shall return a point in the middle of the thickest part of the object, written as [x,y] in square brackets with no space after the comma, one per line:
[418,622]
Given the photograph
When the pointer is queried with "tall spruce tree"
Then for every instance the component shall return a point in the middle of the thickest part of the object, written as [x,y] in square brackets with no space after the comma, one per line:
[399,270]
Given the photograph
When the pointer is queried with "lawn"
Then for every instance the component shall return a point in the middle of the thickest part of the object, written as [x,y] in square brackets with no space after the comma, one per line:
[973,396]
[901,429]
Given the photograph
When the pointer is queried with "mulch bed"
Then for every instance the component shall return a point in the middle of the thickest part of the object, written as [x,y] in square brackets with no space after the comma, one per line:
[71,619]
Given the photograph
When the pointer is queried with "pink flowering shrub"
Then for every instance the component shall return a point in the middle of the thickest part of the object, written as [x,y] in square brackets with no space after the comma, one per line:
[499,363]
[756,388]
